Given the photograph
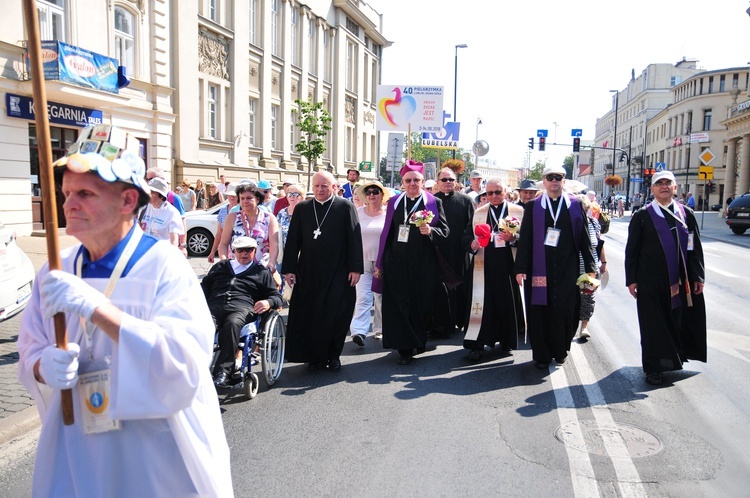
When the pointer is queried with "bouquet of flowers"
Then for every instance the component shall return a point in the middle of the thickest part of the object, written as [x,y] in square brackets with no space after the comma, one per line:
[587,283]
[510,224]
[420,218]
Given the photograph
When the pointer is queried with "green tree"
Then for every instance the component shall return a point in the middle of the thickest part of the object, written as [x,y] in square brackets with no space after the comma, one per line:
[314,122]
[536,170]
[568,164]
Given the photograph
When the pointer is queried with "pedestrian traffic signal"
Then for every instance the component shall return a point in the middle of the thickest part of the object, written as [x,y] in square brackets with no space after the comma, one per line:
[542,141]
[576,144]
[531,143]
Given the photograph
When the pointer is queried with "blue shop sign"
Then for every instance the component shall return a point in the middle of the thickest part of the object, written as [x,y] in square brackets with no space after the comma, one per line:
[22,107]
[78,66]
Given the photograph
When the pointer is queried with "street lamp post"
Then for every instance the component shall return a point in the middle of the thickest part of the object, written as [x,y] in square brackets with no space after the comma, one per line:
[455,86]
[614,140]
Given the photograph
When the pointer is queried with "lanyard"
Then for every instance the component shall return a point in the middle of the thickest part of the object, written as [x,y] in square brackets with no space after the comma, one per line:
[413,209]
[674,215]
[556,215]
[502,215]
[122,262]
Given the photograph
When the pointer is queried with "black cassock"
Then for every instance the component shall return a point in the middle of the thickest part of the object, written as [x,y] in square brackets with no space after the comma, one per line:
[551,327]
[502,315]
[322,304]
[453,311]
[410,280]
[669,336]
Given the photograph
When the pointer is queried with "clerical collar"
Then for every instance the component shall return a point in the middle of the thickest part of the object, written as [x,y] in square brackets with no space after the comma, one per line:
[666,206]
[321,203]
[238,267]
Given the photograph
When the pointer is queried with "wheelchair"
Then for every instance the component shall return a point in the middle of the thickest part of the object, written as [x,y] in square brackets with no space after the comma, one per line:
[262,341]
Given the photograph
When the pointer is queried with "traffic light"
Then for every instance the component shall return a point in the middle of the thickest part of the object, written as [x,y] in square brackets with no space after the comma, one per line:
[647,174]
[531,143]
[623,156]
[711,186]
[576,144]
[542,142]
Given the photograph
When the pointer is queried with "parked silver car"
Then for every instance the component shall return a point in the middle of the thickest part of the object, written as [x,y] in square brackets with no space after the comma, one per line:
[16,275]
[201,228]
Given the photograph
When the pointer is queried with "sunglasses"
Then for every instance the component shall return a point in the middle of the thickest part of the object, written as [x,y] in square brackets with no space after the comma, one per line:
[663,183]
[444,180]
[244,249]
[294,194]
[495,192]
[265,191]
[412,180]
[554,178]
[372,191]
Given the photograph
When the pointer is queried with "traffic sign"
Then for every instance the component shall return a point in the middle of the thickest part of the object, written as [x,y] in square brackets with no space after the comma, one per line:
[576,132]
[660,166]
[705,172]
[636,180]
[706,156]
[541,133]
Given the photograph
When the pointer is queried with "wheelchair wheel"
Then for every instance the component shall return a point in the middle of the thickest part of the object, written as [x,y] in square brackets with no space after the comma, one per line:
[274,346]
[250,385]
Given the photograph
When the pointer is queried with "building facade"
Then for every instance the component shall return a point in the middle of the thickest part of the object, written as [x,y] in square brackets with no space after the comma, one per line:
[623,128]
[211,90]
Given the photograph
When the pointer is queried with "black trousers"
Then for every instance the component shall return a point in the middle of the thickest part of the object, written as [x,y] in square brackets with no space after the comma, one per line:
[229,322]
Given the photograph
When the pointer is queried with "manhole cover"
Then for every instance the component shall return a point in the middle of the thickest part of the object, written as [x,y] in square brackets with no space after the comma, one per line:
[615,440]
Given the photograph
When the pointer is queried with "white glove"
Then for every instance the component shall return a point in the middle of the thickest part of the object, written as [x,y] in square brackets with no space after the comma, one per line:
[59,368]
[67,293]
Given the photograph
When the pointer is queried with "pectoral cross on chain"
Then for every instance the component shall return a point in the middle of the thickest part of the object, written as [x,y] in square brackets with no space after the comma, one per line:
[316,232]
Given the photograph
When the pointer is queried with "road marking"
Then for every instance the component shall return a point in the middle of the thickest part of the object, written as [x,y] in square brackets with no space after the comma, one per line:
[721,272]
[628,480]
[582,474]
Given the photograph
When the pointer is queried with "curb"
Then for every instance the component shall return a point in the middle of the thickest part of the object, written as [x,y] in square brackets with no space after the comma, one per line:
[18,424]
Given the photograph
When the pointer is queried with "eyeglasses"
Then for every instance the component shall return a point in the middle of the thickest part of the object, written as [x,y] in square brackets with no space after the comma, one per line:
[372,191]
[266,191]
[411,180]
[554,178]
[294,194]
[243,249]
[495,192]
[447,180]
[663,183]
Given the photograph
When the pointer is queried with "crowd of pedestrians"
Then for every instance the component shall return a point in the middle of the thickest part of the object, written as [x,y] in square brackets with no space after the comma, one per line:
[479,263]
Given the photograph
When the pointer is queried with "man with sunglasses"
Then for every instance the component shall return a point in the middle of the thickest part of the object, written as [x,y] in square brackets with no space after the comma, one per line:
[496,308]
[406,271]
[452,313]
[236,291]
[554,233]
[665,272]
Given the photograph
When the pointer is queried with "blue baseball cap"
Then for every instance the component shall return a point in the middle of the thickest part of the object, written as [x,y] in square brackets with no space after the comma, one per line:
[264,185]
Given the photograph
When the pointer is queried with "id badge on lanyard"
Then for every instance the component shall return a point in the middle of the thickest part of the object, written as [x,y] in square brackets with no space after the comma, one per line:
[499,242]
[553,237]
[94,387]
[403,233]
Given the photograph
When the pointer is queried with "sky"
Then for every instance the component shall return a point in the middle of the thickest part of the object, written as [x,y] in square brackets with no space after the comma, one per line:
[529,65]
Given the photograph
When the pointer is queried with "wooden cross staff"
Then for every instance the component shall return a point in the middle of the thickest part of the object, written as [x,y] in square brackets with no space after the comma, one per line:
[47,179]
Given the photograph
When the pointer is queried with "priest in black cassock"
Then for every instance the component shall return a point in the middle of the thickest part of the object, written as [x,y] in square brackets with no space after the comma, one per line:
[453,304]
[664,271]
[407,271]
[496,314]
[553,233]
[323,260]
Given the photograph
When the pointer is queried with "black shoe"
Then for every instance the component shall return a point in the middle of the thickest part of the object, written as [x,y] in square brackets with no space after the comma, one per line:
[561,360]
[221,379]
[404,359]
[315,365]
[334,365]
[654,378]
[541,364]
[505,348]
[359,340]
[475,355]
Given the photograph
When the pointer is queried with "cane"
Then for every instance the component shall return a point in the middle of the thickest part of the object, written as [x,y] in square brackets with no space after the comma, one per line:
[47,180]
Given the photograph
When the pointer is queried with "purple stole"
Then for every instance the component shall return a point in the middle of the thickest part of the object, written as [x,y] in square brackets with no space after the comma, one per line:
[670,248]
[539,259]
[430,205]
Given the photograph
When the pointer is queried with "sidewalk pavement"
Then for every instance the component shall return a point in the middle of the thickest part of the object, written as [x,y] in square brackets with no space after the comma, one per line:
[16,405]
